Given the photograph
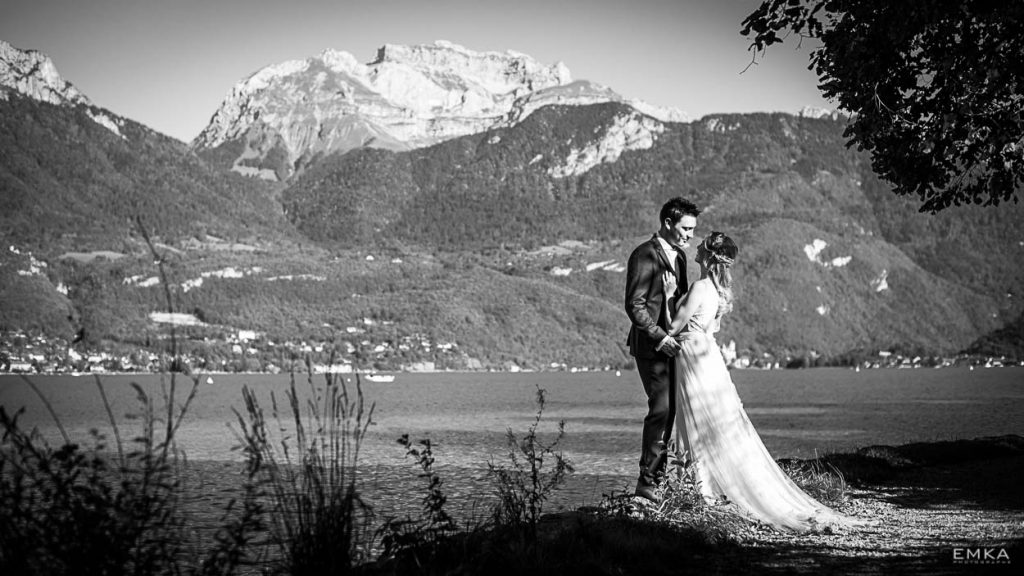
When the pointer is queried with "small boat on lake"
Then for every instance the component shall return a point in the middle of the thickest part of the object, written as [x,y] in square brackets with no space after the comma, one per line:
[380,377]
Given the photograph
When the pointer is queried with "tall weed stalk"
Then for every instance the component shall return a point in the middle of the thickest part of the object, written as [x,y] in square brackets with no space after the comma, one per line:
[533,471]
[417,540]
[305,460]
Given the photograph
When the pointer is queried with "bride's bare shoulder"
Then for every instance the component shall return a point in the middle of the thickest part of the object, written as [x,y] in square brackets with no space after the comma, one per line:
[700,287]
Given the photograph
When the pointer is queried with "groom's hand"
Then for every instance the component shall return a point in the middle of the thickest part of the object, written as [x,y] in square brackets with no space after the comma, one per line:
[669,346]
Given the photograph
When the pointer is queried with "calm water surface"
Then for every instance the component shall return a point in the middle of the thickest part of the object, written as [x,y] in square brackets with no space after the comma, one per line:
[798,413]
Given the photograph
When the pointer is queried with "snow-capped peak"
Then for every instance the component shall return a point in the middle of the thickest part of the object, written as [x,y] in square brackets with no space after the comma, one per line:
[33,74]
[407,97]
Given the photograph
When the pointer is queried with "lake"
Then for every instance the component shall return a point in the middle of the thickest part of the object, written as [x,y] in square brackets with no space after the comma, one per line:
[799,413]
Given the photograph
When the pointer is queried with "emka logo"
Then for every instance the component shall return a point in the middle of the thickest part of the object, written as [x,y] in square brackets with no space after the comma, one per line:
[980,555]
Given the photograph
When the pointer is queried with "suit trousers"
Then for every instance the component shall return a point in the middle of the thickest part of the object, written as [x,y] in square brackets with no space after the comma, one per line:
[657,375]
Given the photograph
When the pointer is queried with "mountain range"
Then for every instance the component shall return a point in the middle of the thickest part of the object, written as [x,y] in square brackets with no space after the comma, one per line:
[482,201]
[283,117]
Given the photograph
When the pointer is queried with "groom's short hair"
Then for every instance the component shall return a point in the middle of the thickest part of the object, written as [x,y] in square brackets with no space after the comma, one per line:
[676,208]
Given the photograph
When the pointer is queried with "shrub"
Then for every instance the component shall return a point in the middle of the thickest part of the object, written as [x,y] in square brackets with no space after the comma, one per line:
[417,540]
[818,478]
[530,478]
[683,504]
[75,509]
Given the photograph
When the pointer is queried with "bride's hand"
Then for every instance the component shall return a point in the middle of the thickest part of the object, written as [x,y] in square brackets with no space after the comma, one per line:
[669,280]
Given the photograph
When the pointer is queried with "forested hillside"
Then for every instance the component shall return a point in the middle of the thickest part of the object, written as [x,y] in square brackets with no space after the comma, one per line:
[71,183]
[480,251]
[883,276]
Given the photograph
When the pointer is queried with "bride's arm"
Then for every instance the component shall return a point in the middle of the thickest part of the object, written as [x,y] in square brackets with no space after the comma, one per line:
[691,301]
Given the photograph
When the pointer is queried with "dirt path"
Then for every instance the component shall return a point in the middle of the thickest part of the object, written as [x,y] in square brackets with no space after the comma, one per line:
[931,520]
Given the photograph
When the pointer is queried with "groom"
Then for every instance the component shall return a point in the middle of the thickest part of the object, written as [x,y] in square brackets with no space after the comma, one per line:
[649,342]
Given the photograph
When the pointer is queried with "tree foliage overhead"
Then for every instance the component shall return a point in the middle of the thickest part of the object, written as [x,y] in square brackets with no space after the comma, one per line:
[935,87]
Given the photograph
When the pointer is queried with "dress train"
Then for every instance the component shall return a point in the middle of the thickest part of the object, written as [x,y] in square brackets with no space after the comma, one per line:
[730,458]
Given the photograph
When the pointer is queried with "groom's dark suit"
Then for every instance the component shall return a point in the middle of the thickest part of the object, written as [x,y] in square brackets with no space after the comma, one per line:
[646,308]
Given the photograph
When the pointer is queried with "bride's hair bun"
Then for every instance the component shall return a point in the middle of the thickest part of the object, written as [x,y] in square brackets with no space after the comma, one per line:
[721,248]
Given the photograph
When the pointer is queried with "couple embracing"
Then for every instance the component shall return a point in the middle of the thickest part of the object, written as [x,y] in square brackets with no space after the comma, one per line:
[691,398]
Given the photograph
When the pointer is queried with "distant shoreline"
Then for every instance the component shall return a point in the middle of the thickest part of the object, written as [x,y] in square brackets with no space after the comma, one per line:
[487,371]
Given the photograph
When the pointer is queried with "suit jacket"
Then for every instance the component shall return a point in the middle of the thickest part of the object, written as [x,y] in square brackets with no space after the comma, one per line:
[645,296]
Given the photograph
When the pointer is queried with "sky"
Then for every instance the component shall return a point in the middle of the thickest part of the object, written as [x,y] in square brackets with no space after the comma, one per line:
[169,63]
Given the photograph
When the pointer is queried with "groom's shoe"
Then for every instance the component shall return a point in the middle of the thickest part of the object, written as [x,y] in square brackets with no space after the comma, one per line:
[650,476]
[647,491]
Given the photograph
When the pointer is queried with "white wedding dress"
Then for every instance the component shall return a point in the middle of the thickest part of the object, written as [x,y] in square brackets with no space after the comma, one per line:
[714,430]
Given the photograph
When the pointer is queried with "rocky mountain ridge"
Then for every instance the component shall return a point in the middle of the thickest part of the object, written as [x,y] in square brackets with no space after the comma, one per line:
[34,74]
[284,116]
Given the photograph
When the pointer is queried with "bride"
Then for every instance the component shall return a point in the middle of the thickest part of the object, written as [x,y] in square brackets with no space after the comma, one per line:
[711,425]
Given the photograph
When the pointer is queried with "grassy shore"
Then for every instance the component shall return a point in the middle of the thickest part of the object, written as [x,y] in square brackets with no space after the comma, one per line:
[300,504]
[929,499]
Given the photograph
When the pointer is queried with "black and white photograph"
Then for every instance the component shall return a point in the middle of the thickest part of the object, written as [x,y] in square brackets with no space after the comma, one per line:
[544,288]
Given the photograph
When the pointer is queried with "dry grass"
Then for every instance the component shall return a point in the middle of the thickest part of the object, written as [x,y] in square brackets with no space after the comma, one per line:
[305,466]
